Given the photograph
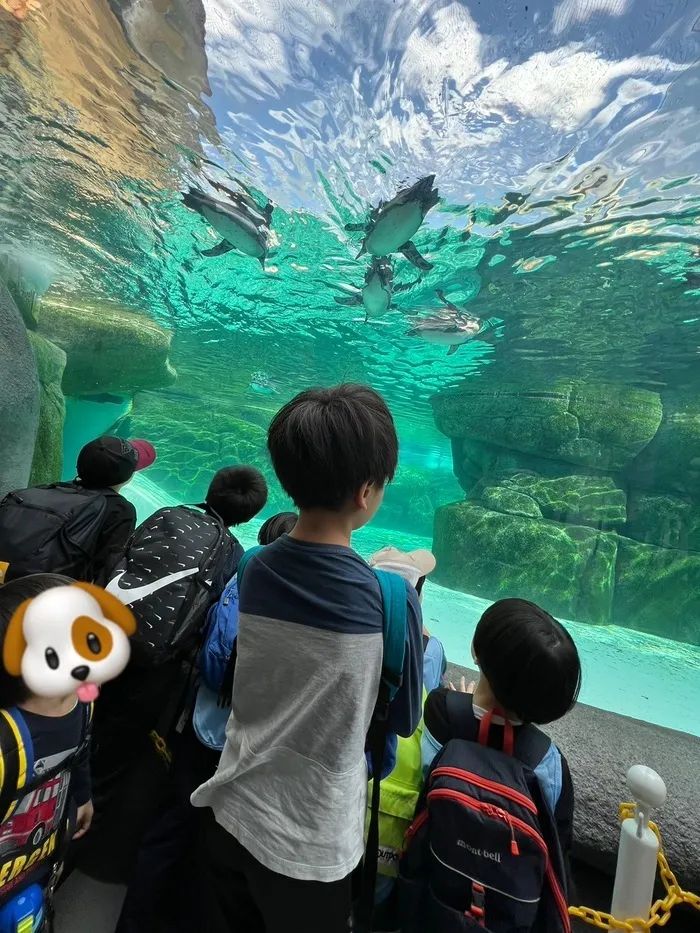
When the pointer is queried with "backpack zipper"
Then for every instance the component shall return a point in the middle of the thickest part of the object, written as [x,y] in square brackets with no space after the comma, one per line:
[485,784]
[480,807]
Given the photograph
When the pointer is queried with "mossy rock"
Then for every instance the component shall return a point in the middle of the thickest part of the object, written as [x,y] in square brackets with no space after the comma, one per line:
[657,590]
[47,464]
[664,520]
[576,500]
[475,461]
[510,502]
[603,427]
[671,463]
[566,569]
[108,348]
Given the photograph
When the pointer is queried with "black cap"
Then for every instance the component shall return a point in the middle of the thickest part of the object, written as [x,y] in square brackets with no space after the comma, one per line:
[111,461]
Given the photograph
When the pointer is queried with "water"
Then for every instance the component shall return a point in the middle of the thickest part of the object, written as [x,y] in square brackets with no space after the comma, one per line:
[561,452]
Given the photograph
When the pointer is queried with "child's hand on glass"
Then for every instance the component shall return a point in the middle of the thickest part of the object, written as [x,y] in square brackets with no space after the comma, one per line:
[464,687]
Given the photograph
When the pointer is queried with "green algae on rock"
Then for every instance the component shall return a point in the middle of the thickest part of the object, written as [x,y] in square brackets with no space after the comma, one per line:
[47,463]
[603,427]
[510,501]
[663,519]
[108,348]
[578,500]
[493,555]
[657,590]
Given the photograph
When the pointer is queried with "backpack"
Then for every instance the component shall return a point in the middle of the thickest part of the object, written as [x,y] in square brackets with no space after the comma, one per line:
[169,576]
[482,852]
[212,706]
[33,818]
[51,529]
[401,789]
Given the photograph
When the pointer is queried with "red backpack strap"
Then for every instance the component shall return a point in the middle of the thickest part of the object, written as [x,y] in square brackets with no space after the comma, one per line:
[508,734]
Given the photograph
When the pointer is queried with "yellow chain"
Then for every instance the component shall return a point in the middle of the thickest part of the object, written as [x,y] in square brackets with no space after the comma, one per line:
[660,912]
[161,747]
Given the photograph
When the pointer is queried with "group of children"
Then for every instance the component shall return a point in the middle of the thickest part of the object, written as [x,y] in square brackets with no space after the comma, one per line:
[300,702]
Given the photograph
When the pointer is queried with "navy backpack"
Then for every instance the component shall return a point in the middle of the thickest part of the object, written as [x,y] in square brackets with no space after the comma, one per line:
[483,852]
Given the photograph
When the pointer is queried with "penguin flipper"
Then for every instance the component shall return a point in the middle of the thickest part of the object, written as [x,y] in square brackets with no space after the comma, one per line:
[349,302]
[217,250]
[362,252]
[414,257]
[448,304]
[261,260]
[453,349]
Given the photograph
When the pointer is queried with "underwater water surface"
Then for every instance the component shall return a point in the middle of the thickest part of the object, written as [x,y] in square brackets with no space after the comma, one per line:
[198,218]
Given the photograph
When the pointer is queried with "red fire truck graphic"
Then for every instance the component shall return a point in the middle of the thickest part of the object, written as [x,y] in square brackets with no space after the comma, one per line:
[36,816]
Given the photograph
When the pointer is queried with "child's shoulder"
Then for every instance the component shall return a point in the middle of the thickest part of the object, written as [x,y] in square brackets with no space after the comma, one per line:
[440,707]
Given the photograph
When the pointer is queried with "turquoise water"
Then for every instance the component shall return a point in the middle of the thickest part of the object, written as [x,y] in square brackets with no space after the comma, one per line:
[554,452]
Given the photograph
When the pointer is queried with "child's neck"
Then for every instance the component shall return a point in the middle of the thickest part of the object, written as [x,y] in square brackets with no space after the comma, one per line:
[318,526]
[49,706]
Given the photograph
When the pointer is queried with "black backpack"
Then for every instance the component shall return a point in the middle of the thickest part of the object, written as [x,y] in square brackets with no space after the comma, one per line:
[51,529]
[482,852]
[174,568]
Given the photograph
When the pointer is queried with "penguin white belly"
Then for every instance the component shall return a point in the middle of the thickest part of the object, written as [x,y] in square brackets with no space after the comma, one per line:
[442,339]
[375,298]
[246,241]
[394,229]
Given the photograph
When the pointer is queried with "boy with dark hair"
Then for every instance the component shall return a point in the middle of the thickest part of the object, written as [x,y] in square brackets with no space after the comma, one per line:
[288,801]
[530,674]
[79,528]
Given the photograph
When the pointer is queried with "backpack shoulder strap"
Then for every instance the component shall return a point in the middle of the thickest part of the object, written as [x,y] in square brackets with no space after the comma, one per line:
[531,745]
[393,589]
[16,760]
[251,552]
[460,713]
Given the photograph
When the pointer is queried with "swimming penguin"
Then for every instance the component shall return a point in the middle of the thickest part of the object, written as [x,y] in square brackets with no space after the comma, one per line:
[449,329]
[377,292]
[242,225]
[392,225]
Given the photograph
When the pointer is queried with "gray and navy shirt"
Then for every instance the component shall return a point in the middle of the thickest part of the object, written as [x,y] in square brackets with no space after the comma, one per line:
[292,782]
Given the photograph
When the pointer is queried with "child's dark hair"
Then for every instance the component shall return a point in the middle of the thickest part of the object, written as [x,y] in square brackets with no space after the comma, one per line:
[326,443]
[275,527]
[237,494]
[529,659]
[13,689]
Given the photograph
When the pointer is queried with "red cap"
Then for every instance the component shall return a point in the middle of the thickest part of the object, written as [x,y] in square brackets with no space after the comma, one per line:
[146,452]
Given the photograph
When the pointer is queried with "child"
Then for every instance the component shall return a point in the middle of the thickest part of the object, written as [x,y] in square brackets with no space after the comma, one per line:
[163,891]
[285,830]
[530,674]
[55,805]
[80,528]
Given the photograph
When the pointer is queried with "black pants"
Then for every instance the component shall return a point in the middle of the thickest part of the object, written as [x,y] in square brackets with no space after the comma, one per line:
[164,891]
[243,896]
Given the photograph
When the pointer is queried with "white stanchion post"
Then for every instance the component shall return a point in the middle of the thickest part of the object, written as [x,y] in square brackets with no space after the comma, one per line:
[639,848]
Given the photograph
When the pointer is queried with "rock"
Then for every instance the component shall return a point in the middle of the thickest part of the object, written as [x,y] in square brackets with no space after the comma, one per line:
[19,397]
[671,462]
[48,452]
[603,427]
[475,460]
[577,500]
[567,569]
[108,348]
[411,499]
[600,748]
[657,590]
[662,519]
[510,502]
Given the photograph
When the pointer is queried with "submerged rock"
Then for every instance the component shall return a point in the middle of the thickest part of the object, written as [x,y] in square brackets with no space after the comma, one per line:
[603,427]
[578,500]
[108,348]
[657,590]
[662,519]
[48,452]
[567,569]
[19,397]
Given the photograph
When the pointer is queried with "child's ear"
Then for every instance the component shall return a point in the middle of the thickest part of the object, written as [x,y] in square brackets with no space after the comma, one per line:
[15,643]
[112,608]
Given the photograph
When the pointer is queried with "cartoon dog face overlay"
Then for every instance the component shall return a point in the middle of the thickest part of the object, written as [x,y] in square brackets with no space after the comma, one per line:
[69,639]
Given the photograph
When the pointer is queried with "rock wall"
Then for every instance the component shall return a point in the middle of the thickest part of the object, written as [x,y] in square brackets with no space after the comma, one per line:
[19,397]
[47,463]
[583,498]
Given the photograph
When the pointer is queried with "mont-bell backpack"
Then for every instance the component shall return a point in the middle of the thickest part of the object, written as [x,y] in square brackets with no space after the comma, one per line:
[50,529]
[168,576]
[482,852]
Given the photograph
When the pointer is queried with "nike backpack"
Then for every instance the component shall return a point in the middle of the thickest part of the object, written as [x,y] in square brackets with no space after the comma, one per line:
[482,852]
[50,529]
[171,572]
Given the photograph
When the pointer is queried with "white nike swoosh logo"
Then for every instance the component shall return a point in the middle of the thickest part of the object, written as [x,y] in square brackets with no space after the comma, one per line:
[134,593]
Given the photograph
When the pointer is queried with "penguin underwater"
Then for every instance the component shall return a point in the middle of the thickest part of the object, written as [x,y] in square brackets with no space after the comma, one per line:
[242,224]
[378,290]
